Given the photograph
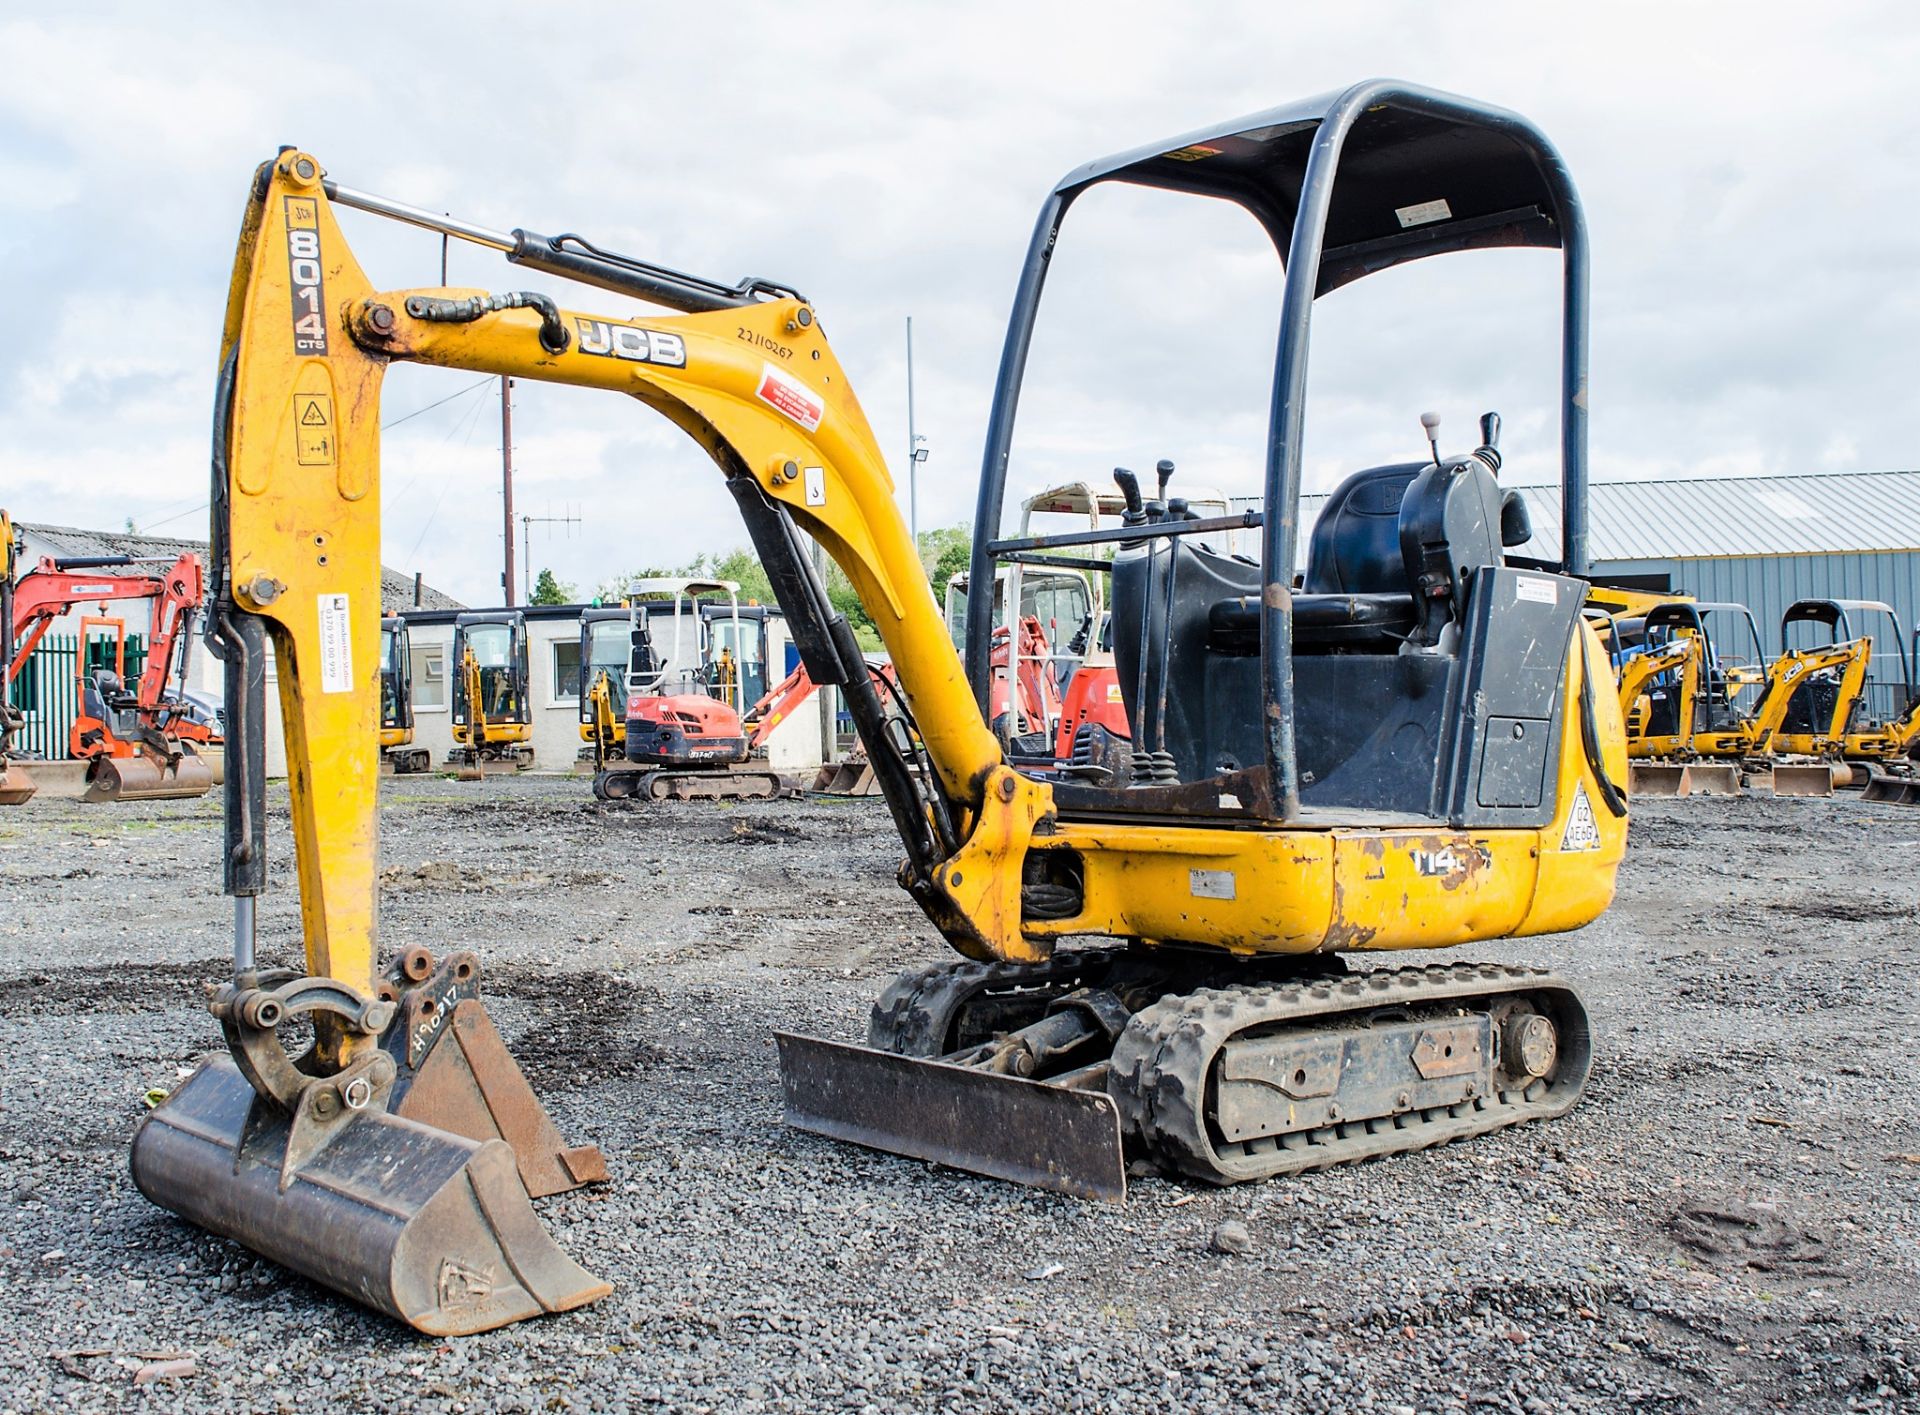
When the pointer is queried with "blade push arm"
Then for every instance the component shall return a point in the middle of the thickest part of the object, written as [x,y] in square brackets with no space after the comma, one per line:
[757,386]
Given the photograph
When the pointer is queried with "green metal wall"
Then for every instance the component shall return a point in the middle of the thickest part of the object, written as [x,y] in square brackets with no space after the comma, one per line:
[47,693]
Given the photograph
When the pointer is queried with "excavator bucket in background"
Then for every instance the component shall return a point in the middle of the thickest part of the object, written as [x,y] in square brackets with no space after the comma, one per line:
[15,785]
[1658,778]
[1713,778]
[147,778]
[1883,785]
[1802,779]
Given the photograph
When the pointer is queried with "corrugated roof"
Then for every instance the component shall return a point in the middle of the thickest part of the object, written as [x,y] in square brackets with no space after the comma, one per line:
[1711,517]
[396,589]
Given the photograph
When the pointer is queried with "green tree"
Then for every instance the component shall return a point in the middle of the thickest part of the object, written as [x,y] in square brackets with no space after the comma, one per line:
[946,552]
[548,590]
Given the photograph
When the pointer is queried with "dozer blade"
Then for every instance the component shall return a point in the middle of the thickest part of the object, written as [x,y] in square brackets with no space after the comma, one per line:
[430,1227]
[1713,778]
[145,778]
[15,785]
[1030,1132]
[1802,779]
[1657,779]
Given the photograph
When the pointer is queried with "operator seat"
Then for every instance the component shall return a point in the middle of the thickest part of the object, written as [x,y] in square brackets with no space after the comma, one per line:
[1355,592]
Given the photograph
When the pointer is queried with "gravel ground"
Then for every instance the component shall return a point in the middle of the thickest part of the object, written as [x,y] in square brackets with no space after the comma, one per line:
[1730,1221]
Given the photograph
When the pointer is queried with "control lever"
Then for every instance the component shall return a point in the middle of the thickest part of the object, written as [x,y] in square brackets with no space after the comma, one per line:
[1157,508]
[1489,449]
[1431,422]
[1129,484]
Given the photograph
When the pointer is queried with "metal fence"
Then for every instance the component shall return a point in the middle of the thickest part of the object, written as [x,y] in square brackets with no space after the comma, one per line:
[47,691]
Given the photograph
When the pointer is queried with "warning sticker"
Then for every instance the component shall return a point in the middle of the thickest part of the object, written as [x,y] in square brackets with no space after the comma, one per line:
[1423,213]
[787,395]
[816,485]
[1196,152]
[1582,832]
[1536,589]
[336,644]
[313,444]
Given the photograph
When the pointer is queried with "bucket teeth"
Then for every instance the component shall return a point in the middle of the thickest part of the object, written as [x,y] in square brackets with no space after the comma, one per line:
[430,1227]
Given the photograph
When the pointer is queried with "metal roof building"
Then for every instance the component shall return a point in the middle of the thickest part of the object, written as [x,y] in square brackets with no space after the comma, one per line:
[1759,541]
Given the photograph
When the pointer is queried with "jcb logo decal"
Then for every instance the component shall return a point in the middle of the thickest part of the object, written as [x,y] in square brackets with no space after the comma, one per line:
[626,341]
[303,270]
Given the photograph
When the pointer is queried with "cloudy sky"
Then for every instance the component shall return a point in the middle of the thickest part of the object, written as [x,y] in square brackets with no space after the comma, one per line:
[1748,171]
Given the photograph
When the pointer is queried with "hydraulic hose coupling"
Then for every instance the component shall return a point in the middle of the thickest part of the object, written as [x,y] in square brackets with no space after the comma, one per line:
[436,310]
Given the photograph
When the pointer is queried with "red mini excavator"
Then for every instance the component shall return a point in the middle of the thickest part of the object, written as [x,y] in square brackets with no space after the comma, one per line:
[141,742]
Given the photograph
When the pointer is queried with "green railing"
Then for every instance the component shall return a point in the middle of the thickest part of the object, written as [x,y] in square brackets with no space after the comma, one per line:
[48,695]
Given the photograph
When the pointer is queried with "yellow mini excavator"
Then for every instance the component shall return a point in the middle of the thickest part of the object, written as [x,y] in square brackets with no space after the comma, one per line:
[1416,745]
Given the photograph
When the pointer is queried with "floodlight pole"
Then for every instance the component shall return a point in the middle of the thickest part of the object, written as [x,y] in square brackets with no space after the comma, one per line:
[913,448]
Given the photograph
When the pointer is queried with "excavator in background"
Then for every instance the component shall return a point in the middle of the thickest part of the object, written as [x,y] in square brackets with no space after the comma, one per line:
[1862,720]
[684,736]
[1685,670]
[492,709]
[1216,1030]
[16,786]
[144,741]
[397,752]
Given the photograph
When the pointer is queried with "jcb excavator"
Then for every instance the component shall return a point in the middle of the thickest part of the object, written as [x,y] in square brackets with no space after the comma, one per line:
[1417,747]
[397,752]
[140,741]
[492,712]
[1687,679]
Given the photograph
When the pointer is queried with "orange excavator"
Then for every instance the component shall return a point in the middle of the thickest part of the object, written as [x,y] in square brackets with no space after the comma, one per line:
[141,742]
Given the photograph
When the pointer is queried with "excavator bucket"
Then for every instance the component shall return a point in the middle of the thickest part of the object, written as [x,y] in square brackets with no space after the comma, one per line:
[1885,786]
[1713,778]
[1802,779]
[1047,1136]
[1657,779]
[430,1227]
[418,1205]
[15,785]
[145,778]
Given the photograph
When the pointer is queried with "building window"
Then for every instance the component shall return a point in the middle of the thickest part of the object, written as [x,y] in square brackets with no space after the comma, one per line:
[566,670]
[429,678]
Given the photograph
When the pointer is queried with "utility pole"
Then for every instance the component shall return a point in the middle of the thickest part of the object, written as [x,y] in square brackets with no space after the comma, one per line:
[506,479]
[913,450]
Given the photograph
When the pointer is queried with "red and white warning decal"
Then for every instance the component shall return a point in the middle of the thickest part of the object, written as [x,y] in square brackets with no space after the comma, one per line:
[787,395]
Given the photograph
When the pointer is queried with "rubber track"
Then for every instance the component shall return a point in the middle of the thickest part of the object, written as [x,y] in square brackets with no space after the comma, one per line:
[1162,1063]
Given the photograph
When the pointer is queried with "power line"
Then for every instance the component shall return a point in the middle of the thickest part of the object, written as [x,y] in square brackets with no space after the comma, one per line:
[405,417]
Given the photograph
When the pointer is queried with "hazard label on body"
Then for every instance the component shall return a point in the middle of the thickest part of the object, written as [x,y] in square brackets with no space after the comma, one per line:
[313,444]
[1582,832]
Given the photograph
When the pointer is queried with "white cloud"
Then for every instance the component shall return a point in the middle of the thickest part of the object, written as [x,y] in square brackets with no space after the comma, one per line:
[1746,167]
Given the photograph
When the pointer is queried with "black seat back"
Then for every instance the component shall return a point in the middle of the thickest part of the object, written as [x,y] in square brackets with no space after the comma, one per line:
[1355,547]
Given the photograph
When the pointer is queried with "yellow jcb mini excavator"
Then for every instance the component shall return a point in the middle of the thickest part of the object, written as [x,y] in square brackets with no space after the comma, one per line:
[1417,747]
[397,752]
[492,712]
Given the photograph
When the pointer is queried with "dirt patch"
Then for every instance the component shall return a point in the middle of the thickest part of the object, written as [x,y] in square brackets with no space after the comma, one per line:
[1762,1236]
[445,874]
[118,987]
[584,1029]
